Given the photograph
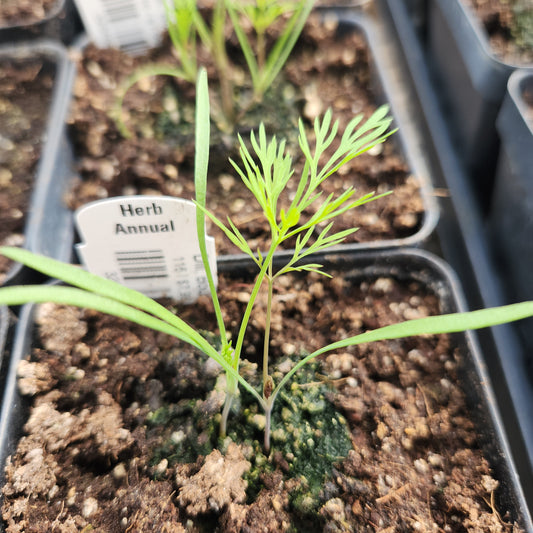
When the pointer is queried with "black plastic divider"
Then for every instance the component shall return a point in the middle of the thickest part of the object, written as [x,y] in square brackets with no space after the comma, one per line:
[510,220]
[7,326]
[466,247]
[14,408]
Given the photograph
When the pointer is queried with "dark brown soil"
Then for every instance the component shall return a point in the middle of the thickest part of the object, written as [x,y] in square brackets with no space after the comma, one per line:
[25,92]
[509,26]
[326,70]
[23,12]
[95,382]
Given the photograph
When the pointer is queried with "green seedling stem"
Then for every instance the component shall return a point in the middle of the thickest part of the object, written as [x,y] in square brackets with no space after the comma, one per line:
[188,28]
[266,172]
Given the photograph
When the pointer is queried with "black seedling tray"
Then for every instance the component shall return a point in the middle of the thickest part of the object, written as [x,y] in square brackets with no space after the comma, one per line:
[467,247]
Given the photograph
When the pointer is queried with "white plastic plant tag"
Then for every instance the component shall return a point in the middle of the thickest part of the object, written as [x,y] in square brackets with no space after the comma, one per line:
[148,243]
[132,25]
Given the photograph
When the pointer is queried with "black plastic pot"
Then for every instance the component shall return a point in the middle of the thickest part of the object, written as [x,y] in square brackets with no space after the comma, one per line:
[471,81]
[511,215]
[60,23]
[410,265]
[387,84]
[48,225]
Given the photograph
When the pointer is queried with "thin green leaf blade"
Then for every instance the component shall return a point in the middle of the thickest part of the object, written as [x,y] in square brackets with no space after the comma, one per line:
[433,325]
[23,294]
[201,162]
[451,323]
[76,276]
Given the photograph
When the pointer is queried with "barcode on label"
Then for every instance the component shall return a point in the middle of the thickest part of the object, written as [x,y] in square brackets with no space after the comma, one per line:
[132,25]
[142,265]
[119,11]
[147,243]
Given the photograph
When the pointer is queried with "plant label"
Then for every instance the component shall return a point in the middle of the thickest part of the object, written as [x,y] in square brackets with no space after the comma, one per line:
[132,25]
[148,243]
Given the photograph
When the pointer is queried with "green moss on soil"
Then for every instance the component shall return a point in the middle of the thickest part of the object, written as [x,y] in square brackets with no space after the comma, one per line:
[308,436]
